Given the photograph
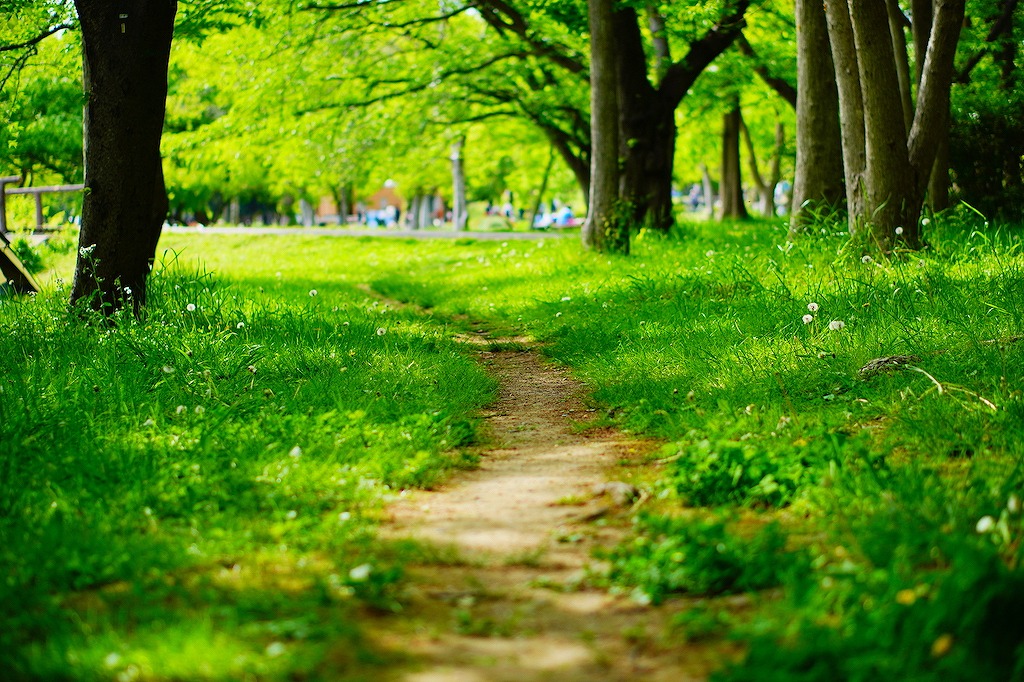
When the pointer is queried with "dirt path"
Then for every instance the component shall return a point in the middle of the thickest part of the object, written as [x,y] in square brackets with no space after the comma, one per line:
[507,601]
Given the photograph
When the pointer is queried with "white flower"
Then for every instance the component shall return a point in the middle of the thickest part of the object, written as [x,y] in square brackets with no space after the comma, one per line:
[127,291]
[813,307]
[190,307]
[836,325]
[360,572]
[240,325]
[381,331]
[808,318]
[985,524]
[899,230]
[312,292]
[865,259]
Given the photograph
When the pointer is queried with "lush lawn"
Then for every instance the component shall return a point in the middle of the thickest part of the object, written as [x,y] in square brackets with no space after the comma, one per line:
[193,495]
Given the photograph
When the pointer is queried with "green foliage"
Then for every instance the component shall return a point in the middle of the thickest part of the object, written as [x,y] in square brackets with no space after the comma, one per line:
[28,255]
[684,555]
[751,471]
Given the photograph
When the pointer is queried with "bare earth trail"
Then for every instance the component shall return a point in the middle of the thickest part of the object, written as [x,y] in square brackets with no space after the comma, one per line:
[506,602]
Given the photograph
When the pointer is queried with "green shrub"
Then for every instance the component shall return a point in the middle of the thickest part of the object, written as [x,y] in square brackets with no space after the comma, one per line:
[760,472]
[671,555]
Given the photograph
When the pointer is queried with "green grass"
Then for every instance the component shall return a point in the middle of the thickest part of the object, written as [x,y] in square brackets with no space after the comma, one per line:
[895,495]
[175,491]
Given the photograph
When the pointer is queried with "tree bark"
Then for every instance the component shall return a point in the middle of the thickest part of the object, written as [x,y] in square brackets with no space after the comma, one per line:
[897,164]
[647,113]
[765,186]
[126,48]
[731,188]
[605,229]
[818,185]
[460,215]
[851,107]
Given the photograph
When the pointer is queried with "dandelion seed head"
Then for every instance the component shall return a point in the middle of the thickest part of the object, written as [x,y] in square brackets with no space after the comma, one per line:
[836,325]
[808,318]
[899,230]
[312,292]
[812,306]
[865,259]
[381,331]
[191,307]
[985,524]
[360,572]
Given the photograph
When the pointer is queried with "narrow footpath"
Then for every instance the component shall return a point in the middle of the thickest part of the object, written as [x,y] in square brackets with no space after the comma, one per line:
[506,598]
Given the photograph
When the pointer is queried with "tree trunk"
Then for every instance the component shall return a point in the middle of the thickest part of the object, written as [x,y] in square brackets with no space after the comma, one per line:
[605,229]
[647,143]
[818,185]
[765,186]
[732,184]
[426,211]
[647,128]
[412,215]
[542,190]
[897,164]
[708,187]
[460,216]
[851,107]
[126,48]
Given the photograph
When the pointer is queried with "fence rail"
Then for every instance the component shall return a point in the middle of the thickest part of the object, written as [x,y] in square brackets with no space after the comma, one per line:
[37,192]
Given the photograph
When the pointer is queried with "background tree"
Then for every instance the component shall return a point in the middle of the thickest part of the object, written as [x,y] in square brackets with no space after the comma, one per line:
[887,168]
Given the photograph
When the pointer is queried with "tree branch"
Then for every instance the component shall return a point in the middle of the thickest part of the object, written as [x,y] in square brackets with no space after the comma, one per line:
[682,74]
[31,42]
[780,85]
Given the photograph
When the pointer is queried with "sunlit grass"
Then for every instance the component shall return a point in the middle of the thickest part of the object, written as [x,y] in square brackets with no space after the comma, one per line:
[163,478]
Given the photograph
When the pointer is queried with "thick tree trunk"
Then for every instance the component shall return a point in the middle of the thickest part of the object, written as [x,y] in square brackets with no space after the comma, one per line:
[818,185]
[605,229]
[897,163]
[126,47]
[647,129]
[731,187]
[460,215]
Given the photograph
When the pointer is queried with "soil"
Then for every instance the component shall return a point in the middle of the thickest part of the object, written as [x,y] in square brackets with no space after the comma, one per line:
[506,596]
